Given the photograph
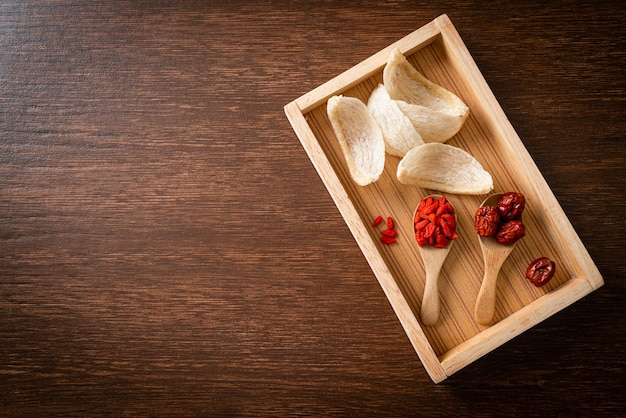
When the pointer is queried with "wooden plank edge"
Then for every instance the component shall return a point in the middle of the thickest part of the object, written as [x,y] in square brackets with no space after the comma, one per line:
[402,309]
[367,68]
[515,324]
[579,257]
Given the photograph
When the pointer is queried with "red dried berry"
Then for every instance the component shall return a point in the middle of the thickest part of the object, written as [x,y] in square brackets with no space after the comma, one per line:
[387,240]
[510,232]
[487,221]
[434,222]
[387,236]
[421,240]
[448,219]
[389,233]
[540,271]
[511,205]
[441,241]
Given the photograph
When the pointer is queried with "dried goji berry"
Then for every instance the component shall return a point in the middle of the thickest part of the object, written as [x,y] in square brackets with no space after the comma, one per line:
[441,241]
[434,222]
[432,208]
[389,233]
[421,224]
[447,231]
[421,240]
[387,240]
[448,219]
[429,230]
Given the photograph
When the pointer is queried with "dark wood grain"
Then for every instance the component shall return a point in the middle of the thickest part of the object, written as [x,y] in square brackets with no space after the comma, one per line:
[167,248]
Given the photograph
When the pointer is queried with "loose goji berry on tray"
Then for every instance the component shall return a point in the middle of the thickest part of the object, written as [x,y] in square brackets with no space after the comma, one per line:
[434,222]
[389,233]
[387,240]
[387,236]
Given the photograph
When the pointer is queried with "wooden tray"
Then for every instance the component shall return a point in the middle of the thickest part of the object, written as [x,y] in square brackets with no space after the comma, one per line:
[456,340]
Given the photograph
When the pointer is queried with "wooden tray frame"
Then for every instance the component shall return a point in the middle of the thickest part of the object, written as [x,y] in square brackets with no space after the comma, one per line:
[456,340]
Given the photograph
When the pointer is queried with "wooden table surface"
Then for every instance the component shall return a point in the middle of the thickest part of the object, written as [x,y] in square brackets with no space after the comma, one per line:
[167,248]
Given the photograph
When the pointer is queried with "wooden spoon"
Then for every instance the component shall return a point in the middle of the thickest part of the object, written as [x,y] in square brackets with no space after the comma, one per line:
[433,259]
[494,255]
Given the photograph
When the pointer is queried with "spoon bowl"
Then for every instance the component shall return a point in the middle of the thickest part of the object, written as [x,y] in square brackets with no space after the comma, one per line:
[494,255]
[433,259]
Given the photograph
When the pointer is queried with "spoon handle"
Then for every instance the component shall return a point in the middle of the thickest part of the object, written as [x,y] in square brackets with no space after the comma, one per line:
[486,300]
[430,301]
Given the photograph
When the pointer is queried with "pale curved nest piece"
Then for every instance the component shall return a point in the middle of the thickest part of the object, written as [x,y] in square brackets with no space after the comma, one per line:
[444,168]
[398,132]
[359,136]
[436,113]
